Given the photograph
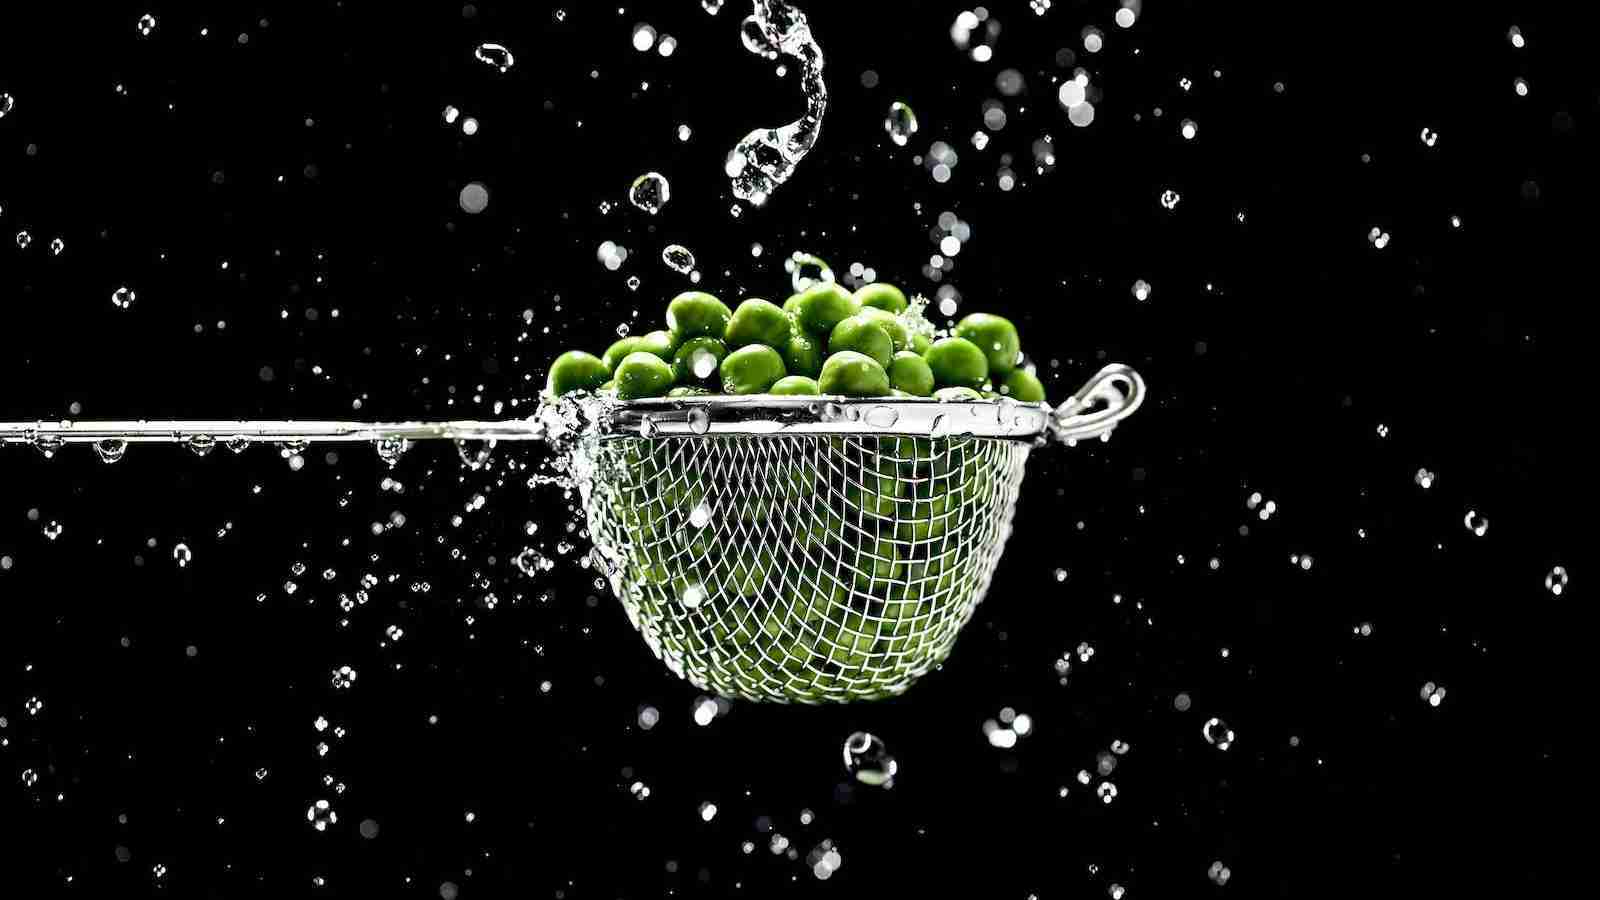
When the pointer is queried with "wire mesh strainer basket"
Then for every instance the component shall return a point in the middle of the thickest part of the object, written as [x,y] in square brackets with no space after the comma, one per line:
[798,549]
[789,549]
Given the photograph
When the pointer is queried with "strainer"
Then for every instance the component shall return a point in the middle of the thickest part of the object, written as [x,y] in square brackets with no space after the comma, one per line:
[787,549]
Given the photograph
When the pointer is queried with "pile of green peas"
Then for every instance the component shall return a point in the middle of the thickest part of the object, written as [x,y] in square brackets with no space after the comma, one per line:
[823,340]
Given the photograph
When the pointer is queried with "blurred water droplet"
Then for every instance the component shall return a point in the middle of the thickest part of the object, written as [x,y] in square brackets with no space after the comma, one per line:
[692,596]
[1217,733]
[320,814]
[23,240]
[1424,479]
[1556,581]
[1141,290]
[475,454]
[57,246]
[110,449]
[181,554]
[53,529]
[1219,873]
[123,297]
[900,123]
[1476,522]
[495,56]
[146,25]
[806,270]
[1429,137]
[712,7]
[474,198]
[1188,129]
[650,192]
[7,104]
[678,258]
[868,760]
[343,678]
[700,516]
[1170,198]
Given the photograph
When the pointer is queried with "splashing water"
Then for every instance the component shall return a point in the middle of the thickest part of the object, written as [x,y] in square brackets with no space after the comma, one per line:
[766,157]
[900,123]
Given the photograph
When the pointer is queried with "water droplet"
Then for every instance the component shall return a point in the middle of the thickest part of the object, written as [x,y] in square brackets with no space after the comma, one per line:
[321,814]
[1219,873]
[146,25]
[806,270]
[238,444]
[343,678]
[474,454]
[700,516]
[699,419]
[1429,137]
[1476,522]
[712,7]
[1106,791]
[23,240]
[7,104]
[123,297]
[1516,38]
[678,258]
[110,449]
[202,444]
[1217,733]
[390,449]
[1432,694]
[1556,581]
[650,192]
[181,554]
[1188,129]
[29,778]
[644,37]
[53,529]
[881,417]
[474,198]
[648,427]
[57,246]
[1141,290]
[900,123]
[1424,479]
[495,56]
[867,758]
[692,595]
[1170,198]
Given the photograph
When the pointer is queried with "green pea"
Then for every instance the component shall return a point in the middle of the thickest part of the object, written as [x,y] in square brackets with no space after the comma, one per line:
[910,373]
[696,359]
[751,370]
[688,390]
[757,321]
[618,350]
[795,386]
[996,337]
[891,323]
[803,355]
[1023,385]
[863,335]
[642,374]
[853,375]
[957,362]
[954,394]
[882,296]
[661,343]
[576,370]
[820,307]
[697,314]
[920,343]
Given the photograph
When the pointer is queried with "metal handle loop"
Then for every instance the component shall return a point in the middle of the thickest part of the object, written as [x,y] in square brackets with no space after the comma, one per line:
[1121,391]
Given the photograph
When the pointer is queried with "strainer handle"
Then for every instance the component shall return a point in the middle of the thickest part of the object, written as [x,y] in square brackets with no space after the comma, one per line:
[1113,394]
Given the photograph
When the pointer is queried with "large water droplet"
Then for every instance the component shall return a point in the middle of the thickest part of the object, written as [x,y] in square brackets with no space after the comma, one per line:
[699,419]
[678,258]
[48,444]
[496,56]
[900,123]
[881,417]
[868,760]
[390,449]
[650,192]
[110,449]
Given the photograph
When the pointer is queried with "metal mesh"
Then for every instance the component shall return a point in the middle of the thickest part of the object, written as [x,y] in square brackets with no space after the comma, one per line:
[805,568]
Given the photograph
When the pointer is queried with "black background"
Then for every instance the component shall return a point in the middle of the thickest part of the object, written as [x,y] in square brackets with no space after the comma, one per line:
[1287,355]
